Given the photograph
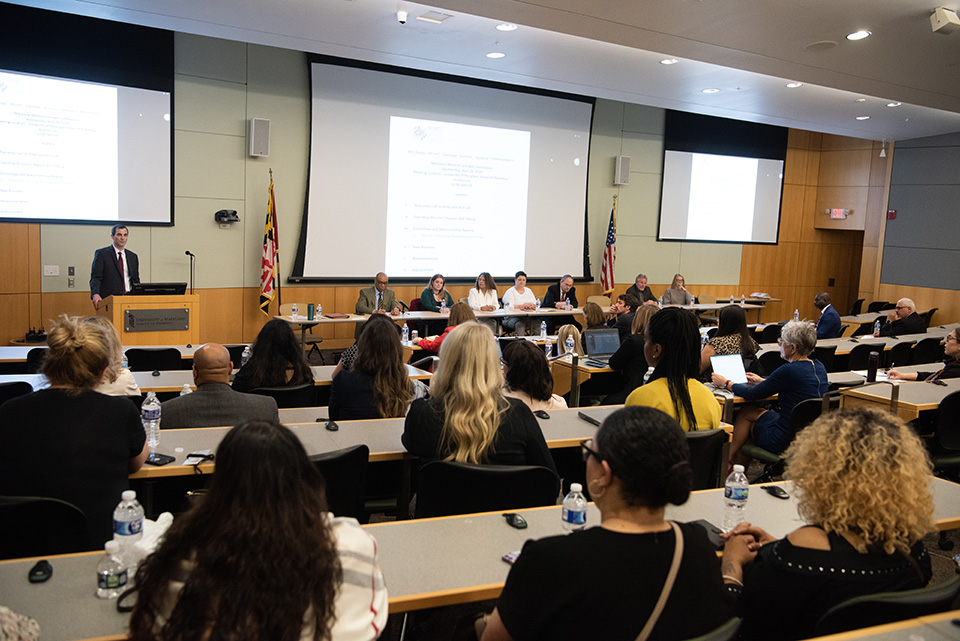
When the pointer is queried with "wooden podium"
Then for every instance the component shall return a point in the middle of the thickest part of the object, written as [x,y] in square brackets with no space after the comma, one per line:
[154,320]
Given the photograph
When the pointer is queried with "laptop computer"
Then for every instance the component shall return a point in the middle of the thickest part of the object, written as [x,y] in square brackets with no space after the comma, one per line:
[600,345]
[730,367]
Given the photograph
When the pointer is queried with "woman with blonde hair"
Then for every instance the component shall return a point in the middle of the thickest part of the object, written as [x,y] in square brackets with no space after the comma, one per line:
[117,380]
[563,333]
[92,442]
[677,294]
[863,484]
[460,313]
[467,418]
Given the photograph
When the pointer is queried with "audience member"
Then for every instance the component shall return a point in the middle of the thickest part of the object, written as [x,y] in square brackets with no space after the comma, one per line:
[641,290]
[854,545]
[903,319]
[117,380]
[557,297]
[623,310]
[468,419]
[828,325]
[629,358]
[593,316]
[260,557]
[483,298]
[68,441]
[520,298]
[951,364]
[563,333]
[277,360]
[528,376]
[215,403]
[672,346]
[733,337]
[612,575]
[677,294]
[460,313]
[797,380]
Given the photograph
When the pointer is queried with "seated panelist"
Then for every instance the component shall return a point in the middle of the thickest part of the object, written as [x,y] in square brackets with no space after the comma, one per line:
[557,297]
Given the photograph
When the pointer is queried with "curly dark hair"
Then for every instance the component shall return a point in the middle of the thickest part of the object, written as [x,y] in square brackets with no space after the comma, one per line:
[675,330]
[527,370]
[647,450]
[258,554]
[274,352]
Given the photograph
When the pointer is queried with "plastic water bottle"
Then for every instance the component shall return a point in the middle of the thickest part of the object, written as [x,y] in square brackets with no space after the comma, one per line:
[443,306]
[127,525]
[548,350]
[660,302]
[731,299]
[574,513]
[111,573]
[735,498]
[543,329]
[405,339]
[294,310]
[150,417]
[124,362]
[796,314]
[876,327]
[245,357]
[743,299]
[568,344]
[185,389]
[319,311]
[538,304]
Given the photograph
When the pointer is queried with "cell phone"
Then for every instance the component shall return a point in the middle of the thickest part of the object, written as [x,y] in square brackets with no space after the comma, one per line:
[511,557]
[713,533]
[588,418]
[160,459]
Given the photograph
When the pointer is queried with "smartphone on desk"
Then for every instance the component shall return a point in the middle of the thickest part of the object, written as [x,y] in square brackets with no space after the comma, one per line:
[159,459]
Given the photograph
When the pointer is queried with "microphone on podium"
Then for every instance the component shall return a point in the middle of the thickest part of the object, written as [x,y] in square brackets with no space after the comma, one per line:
[192,258]
[189,253]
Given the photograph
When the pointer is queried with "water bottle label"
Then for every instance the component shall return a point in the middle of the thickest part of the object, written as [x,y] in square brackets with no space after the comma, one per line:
[575,517]
[111,580]
[150,414]
[127,528]
[736,493]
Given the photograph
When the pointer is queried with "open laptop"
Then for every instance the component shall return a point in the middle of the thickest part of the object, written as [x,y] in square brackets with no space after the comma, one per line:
[600,345]
[730,367]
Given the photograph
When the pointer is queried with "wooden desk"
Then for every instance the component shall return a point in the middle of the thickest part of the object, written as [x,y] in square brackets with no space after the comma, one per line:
[915,396]
[423,561]
[881,343]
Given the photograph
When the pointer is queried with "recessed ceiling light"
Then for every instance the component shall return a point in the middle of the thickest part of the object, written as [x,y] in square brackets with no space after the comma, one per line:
[863,117]
[669,61]
[894,104]
[711,91]
[861,99]
[858,35]
[794,85]
[495,54]
[506,26]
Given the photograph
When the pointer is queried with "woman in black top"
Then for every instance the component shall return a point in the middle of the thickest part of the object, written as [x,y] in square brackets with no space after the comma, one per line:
[603,582]
[629,357]
[277,360]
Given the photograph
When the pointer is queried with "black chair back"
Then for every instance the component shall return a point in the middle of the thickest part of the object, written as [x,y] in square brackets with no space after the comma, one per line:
[876,306]
[35,359]
[296,396]
[886,607]
[236,354]
[712,332]
[865,329]
[38,526]
[825,355]
[447,488]
[842,329]
[769,361]
[345,474]
[706,453]
[948,427]
[898,355]
[928,315]
[928,350]
[143,359]
[725,632]
[860,355]
[770,333]
[856,307]
[804,413]
[13,390]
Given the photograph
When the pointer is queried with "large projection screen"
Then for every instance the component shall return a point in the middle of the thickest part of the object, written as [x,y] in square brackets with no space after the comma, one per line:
[416,175]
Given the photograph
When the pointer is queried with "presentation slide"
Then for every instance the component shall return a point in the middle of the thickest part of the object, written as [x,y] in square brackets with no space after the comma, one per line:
[72,150]
[720,198]
[416,175]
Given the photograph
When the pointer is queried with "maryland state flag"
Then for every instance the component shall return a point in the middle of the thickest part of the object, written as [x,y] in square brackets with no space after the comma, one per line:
[269,261]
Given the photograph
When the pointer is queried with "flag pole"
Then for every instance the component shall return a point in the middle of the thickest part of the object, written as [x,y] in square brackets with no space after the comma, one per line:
[276,233]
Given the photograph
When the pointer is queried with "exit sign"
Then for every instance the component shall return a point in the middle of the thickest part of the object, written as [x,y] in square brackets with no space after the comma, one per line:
[838,214]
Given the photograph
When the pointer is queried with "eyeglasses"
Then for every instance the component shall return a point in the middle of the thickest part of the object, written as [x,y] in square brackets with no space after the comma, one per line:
[586,452]
[901,307]
[948,338]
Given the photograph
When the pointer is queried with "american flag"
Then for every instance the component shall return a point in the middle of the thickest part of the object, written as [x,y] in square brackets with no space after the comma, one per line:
[609,253]
[269,262]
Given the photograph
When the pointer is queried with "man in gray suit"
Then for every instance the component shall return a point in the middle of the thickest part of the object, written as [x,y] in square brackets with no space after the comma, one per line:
[376,300]
[215,403]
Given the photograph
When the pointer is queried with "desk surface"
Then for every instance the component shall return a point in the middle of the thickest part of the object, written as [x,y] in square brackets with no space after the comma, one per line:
[423,561]
[425,315]
[846,345]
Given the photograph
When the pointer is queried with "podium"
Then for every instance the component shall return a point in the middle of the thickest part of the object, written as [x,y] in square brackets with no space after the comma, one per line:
[154,320]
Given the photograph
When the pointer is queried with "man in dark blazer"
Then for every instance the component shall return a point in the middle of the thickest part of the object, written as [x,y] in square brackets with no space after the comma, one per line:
[624,310]
[904,319]
[105,276]
[215,403]
[557,297]
[828,325]
[378,299]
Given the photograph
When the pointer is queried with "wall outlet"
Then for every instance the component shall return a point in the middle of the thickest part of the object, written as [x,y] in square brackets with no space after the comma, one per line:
[71,283]
[51,270]
[71,271]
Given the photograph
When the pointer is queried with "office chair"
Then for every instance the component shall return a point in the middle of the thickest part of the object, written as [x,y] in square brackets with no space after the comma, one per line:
[826,356]
[145,359]
[928,350]
[706,454]
[856,307]
[13,390]
[899,354]
[945,448]
[769,361]
[886,607]
[296,396]
[447,488]
[35,359]
[928,315]
[842,329]
[236,354]
[345,476]
[770,333]
[860,355]
[40,526]
[876,306]
[804,413]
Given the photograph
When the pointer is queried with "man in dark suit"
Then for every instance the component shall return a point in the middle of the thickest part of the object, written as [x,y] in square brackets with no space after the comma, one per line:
[558,296]
[215,403]
[624,310]
[641,290]
[828,325]
[115,270]
[903,319]
[378,299]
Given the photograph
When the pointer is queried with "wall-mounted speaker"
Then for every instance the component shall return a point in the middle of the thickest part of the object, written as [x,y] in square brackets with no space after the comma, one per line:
[259,137]
[621,171]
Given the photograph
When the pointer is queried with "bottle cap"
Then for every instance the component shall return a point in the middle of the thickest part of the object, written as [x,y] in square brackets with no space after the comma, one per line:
[111,547]
[129,495]
[576,487]
[737,468]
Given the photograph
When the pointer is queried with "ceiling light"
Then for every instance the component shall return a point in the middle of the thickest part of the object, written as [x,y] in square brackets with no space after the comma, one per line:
[861,99]
[495,55]
[863,117]
[883,148]
[669,61]
[711,91]
[858,35]
[506,26]
[436,17]
[794,85]
[894,104]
